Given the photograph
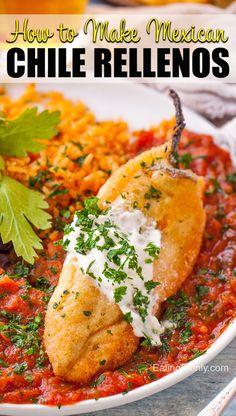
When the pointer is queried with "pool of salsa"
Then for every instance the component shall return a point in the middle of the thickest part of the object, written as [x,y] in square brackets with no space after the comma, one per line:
[201,310]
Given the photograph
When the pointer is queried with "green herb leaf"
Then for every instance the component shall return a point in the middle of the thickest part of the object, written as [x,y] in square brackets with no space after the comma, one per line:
[152,250]
[20,368]
[185,159]
[231,178]
[150,284]
[222,278]
[20,135]
[91,205]
[128,317]
[153,193]
[66,213]
[119,292]
[147,343]
[177,309]
[80,160]
[29,378]
[196,354]
[24,335]
[38,179]
[99,380]
[202,271]
[142,367]
[21,270]
[19,208]
[57,192]
[186,333]
[141,302]
[152,376]
[215,188]
[87,313]
[202,290]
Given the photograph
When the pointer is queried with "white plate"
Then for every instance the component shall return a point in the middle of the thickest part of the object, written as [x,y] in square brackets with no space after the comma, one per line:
[141,107]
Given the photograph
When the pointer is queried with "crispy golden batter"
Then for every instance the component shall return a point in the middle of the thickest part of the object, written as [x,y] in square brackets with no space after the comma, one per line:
[179,211]
[81,346]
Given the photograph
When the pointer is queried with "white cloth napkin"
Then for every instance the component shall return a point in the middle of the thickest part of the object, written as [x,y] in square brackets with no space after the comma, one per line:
[216,104]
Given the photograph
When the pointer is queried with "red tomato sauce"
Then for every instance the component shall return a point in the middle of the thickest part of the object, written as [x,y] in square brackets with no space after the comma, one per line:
[201,310]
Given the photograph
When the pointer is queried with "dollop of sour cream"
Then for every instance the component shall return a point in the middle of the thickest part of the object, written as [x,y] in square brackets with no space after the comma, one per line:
[117,248]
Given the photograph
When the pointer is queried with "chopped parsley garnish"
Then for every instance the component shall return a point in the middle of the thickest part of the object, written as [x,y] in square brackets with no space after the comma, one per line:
[96,231]
[66,213]
[99,380]
[186,158]
[222,278]
[53,270]
[38,179]
[117,276]
[196,354]
[141,302]
[153,193]
[231,178]
[142,367]
[20,368]
[29,378]
[147,343]
[210,306]
[215,187]
[80,160]
[91,205]
[21,270]
[87,313]
[186,333]
[128,317]
[123,372]
[150,284]
[43,284]
[151,375]
[2,363]
[203,271]
[58,191]
[153,251]
[177,309]
[119,292]
[201,291]
[25,335]
[165,340]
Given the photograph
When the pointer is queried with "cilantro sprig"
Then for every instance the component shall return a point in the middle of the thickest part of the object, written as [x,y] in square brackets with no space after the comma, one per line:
[21,208]
[22,135]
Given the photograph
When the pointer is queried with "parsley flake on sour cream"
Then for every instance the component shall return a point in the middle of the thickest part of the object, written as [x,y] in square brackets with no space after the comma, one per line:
[117,247]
